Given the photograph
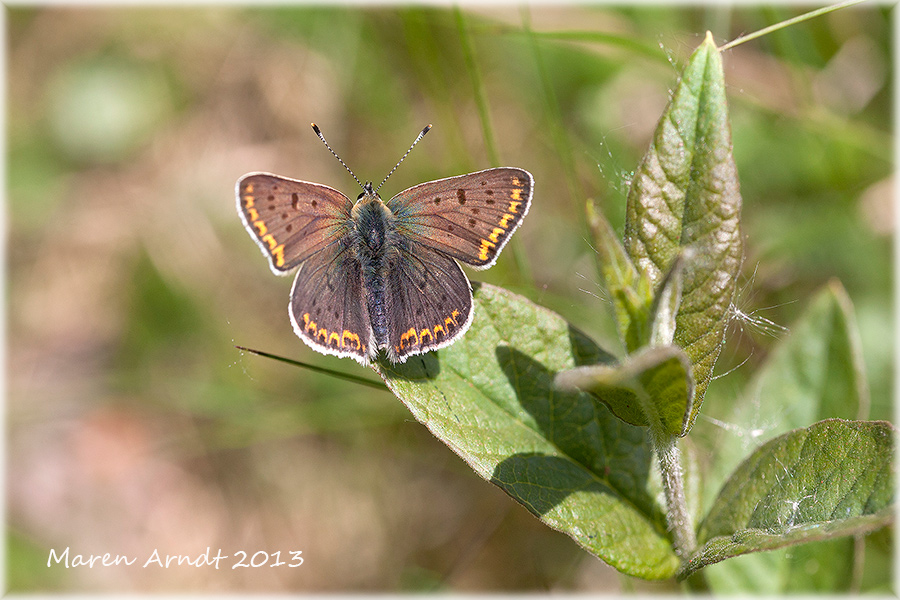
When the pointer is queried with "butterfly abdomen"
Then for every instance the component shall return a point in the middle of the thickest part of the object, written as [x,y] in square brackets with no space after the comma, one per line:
[375,227]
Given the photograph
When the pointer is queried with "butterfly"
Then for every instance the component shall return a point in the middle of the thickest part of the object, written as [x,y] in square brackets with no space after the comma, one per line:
[377,275]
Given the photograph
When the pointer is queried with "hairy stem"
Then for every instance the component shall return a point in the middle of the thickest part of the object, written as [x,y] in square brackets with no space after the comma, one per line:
[679,521]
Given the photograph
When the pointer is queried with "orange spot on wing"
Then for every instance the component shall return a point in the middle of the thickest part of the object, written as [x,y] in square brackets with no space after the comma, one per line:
[406,337]
[261,227]
[278,253]
[248,200]
[309,325]
[349,335]
[495,233]
[516,193]
[483,251]
[514,206]
[270,241]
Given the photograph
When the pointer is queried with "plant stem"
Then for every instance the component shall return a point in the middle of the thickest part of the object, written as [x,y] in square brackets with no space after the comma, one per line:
[484,113]
[788,22]
[378,385]
[679,521]
[557,126]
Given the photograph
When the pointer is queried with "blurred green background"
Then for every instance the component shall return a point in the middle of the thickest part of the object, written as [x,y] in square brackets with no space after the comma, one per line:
[133,422]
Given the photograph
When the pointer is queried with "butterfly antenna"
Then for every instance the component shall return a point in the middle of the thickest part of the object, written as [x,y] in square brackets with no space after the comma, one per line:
[419,137]
[322,137]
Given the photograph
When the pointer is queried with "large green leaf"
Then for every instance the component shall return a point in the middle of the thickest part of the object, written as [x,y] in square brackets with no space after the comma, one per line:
[813,373]
[685,195]
[832,479]
[490,398]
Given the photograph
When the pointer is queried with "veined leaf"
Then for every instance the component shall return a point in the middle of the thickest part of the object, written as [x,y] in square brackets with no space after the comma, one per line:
[814,372]
[832,479]
[685,194]
[490,397]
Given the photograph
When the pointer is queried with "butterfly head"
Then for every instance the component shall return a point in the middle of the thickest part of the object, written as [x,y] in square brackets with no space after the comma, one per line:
[368,197]
[368,191]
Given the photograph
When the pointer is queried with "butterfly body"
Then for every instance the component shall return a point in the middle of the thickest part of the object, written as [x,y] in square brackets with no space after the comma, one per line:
[383,275]
[374,235]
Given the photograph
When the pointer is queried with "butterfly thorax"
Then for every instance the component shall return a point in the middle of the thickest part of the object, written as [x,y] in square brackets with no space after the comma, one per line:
[374,226]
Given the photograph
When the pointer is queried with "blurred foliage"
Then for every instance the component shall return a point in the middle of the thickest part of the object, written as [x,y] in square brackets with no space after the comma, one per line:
[134,423]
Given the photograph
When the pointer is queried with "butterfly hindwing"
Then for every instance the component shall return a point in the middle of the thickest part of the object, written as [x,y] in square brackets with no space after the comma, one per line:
[290,219]
[430,301]
[328,309]
[469,217]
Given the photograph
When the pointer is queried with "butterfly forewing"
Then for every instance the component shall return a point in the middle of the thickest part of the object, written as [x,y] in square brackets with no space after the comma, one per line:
[430,301]
[469,217]
[328,308]
[289,219]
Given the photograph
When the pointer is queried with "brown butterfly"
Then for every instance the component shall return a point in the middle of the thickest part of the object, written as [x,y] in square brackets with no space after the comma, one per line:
[376,274]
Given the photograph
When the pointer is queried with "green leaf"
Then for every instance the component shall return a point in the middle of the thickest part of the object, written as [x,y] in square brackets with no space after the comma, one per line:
[832,479]
[490,398]
[814,373]
[818,372]
[654,383]
[685,194]
[633,315]
[621,282]
[816,567]
[642,317]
